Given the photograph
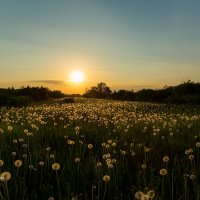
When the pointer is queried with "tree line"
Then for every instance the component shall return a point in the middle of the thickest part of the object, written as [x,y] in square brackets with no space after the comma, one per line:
[26,95]
[184,93]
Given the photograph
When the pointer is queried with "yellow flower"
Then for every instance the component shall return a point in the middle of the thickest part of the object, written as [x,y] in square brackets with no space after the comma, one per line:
[106,178]
[18,163]
[55,166]
[5,176]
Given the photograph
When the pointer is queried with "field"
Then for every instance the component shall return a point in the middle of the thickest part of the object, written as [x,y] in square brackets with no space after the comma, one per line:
[98,150]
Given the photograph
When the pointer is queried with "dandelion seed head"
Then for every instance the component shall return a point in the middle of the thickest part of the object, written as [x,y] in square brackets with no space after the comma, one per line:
[106,178]
[18,163]
[55,166]
[5,176]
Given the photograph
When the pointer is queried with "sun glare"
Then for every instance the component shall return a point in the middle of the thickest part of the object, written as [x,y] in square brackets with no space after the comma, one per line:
[77,77]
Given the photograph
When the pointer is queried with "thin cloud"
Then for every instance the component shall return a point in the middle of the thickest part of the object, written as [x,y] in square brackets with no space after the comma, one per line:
[55,82]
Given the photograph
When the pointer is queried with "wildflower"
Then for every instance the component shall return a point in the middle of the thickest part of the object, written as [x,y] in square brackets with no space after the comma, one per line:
[191,157]
[90,146]
[185,176]
[123,152]
[139,195]
[48,149]
[163,172]
[10,128]
[14,141]
[192,176]
[106,178]
[187,152]
[18,163]
[191,150]
[5,176]
[165,159]
[110,165]
[114,144]
[99,164]
[25,131]
[1,163]
[145,197]
[103,144]
[77,160]
[21,140]
[151,194]
[30,166]
[132,153]
[146,149]
[55,166]
[24,145]
[144,166]
[51,156]
[113,161]
[108,160]
[51,198]
[41,163]
[198,144]
[14,153]
[29,134]
[24,155]
[154,133]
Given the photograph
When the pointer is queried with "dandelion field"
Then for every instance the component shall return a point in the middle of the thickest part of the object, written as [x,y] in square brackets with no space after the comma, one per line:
[98,150]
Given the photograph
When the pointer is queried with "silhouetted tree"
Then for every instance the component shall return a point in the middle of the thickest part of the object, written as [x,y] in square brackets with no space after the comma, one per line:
[99,91]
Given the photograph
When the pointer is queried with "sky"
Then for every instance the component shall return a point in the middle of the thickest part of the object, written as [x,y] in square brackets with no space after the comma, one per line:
[128,44]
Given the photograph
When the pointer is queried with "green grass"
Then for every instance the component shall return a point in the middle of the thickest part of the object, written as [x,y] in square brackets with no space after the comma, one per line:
[129,140]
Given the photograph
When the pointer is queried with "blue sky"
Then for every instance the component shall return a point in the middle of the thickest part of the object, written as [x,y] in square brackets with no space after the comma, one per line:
[127,44]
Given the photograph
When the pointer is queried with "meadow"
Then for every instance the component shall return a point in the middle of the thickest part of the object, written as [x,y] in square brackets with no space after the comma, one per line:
[98,150]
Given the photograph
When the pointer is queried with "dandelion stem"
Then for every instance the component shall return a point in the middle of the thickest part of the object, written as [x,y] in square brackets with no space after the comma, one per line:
[58,185]
[104,194]
[185,189]
[172,185]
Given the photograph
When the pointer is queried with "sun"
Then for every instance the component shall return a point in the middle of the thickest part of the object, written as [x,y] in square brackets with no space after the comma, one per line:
[77,77]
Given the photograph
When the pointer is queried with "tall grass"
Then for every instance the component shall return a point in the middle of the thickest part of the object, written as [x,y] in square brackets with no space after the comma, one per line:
[104,149]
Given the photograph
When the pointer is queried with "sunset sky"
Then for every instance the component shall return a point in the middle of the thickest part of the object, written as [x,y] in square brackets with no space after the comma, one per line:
[130,44]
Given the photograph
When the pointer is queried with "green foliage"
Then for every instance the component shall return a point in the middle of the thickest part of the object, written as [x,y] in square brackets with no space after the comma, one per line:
[25,95]
[185,93]
[100,91]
